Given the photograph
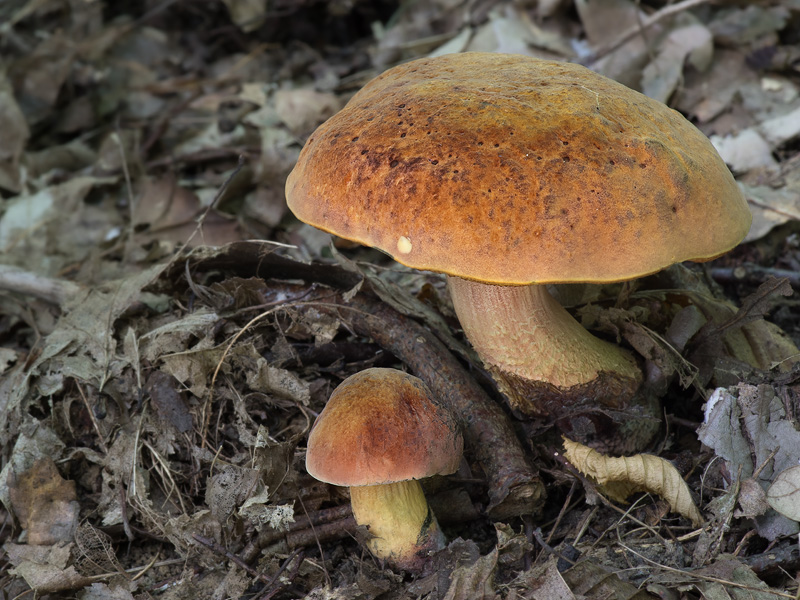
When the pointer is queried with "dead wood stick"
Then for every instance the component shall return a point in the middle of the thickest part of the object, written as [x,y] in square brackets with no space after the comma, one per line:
[639,28]
[56,291]
[335,530]
[514,487]
[314,519]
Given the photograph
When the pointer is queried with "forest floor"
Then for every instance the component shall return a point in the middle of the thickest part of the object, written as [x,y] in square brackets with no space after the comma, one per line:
[169,331]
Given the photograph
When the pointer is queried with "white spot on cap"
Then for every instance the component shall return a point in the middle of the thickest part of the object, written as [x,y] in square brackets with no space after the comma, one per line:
[404,245]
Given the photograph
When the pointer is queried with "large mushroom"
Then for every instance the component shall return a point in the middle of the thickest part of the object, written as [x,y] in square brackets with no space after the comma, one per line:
[507,173]
[380,432]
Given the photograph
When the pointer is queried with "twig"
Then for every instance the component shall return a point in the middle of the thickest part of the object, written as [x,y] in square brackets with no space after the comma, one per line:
[219,549]
[335,530]
[646,23]
[317,518]
[316,539]
[537,534]
[753,274]
[55,291]
[93,419]
[269,590]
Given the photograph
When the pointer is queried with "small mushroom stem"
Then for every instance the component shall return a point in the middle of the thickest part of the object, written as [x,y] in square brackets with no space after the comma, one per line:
[535,350]
[402,526]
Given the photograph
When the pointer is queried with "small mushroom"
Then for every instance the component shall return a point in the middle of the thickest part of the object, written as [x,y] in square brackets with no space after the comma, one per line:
[506,173]
[380,432]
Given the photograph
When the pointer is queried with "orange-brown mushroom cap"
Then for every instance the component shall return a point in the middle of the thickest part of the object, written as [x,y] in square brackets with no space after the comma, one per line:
[382,426]
[513,170]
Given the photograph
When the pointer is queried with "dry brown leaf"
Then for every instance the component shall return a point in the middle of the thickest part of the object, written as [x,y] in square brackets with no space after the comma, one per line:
[662,76]
[784,493]
[303,109]
[45,568]
[550,584]
[621,477]
[474,581]
[588,579]
[45,503]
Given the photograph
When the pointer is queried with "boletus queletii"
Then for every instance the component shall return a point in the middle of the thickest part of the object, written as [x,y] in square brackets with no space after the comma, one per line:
[507,173]
[379,434]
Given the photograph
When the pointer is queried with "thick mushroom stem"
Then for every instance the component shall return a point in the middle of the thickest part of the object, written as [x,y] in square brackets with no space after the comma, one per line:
[538,354]
[403,527]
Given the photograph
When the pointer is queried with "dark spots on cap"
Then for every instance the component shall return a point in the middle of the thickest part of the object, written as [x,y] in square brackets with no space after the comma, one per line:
[674,209]
[642,166]
[355,139]
[612,163]
[565,158]
[497,145]
[434,162]
[394,163]
[480,143]
[363,152]
[565,143]
[402,135]
[401,106]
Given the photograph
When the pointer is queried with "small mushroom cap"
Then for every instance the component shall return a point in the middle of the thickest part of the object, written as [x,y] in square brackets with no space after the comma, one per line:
[508,169]
[382,426]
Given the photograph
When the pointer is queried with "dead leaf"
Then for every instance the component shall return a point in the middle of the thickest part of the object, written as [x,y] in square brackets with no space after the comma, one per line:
[590,580]
[744,425]
[260,512]
[662,75]
[35,441]
[227,489]
[744,150]
[738,26]
[45,503]
[15,133]
[784,493]
[27,213]
[45,568]
[621,477]
[249,15]
[603,22]
[168,402]
[273,380]
[752,499]
[102,591]
[548,584]
[303,109]
[746,584]
[474,581]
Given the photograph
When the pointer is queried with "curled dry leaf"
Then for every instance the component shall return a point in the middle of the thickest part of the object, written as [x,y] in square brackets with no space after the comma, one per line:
[621,477]
[784,493]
